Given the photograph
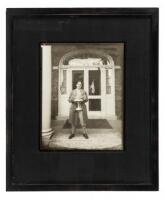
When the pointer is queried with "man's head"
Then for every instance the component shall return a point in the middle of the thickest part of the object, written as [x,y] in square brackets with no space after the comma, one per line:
[79,85]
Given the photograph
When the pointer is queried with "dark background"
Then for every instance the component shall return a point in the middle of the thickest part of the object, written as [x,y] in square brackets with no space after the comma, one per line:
[28,168]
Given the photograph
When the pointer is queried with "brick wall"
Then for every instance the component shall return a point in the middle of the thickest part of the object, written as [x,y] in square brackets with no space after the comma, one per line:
[118,93]
[54,93]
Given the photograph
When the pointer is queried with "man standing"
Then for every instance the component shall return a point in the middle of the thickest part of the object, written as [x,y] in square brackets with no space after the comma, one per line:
[74,114]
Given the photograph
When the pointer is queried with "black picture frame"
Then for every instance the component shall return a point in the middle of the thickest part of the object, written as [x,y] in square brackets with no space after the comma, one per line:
[134,168]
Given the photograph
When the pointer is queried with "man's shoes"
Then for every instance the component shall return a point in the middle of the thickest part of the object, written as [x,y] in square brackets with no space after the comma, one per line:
[71,136]
[86,136]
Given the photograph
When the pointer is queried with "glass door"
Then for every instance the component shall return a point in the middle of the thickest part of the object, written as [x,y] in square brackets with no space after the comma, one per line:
[91,83]
[94,91]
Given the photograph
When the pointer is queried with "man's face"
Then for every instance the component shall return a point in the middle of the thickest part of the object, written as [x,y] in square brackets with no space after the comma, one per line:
[79,85]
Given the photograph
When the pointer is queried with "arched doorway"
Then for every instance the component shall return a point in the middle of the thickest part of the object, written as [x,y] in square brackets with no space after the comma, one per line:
[96,70]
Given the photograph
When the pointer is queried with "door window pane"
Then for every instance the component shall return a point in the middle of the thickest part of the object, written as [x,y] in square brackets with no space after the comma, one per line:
[77,75]
[63,83]
[94,82]
[108,80]
[94,104]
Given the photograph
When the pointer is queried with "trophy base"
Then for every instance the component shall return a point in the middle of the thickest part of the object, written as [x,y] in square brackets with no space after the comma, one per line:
[78,109]
[78,101]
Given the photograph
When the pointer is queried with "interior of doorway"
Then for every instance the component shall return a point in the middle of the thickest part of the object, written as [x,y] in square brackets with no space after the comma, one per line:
[77,75]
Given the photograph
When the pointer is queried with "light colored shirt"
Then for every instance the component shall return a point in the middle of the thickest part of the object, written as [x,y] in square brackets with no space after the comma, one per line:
[78,94]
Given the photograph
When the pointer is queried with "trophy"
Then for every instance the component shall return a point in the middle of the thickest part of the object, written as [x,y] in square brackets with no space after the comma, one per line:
[78,102]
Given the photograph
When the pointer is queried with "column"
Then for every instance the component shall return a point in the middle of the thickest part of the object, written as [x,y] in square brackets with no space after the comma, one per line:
[86,84]
[113,93]
[110,96]
[103,92]
[46,90]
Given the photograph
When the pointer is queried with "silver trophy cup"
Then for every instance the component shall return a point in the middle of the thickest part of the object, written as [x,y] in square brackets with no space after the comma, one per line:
[78,102]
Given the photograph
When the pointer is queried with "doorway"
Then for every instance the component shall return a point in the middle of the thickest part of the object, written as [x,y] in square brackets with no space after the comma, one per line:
[91,83]
[98,80]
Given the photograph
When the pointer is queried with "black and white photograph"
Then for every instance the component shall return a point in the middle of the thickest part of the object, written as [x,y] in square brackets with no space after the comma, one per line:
[82,96]
[82,99]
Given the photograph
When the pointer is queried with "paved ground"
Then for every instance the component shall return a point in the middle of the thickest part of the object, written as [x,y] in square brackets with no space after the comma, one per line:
[98,138]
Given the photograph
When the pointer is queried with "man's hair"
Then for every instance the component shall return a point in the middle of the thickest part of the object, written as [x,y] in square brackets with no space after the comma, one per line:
[78,82]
